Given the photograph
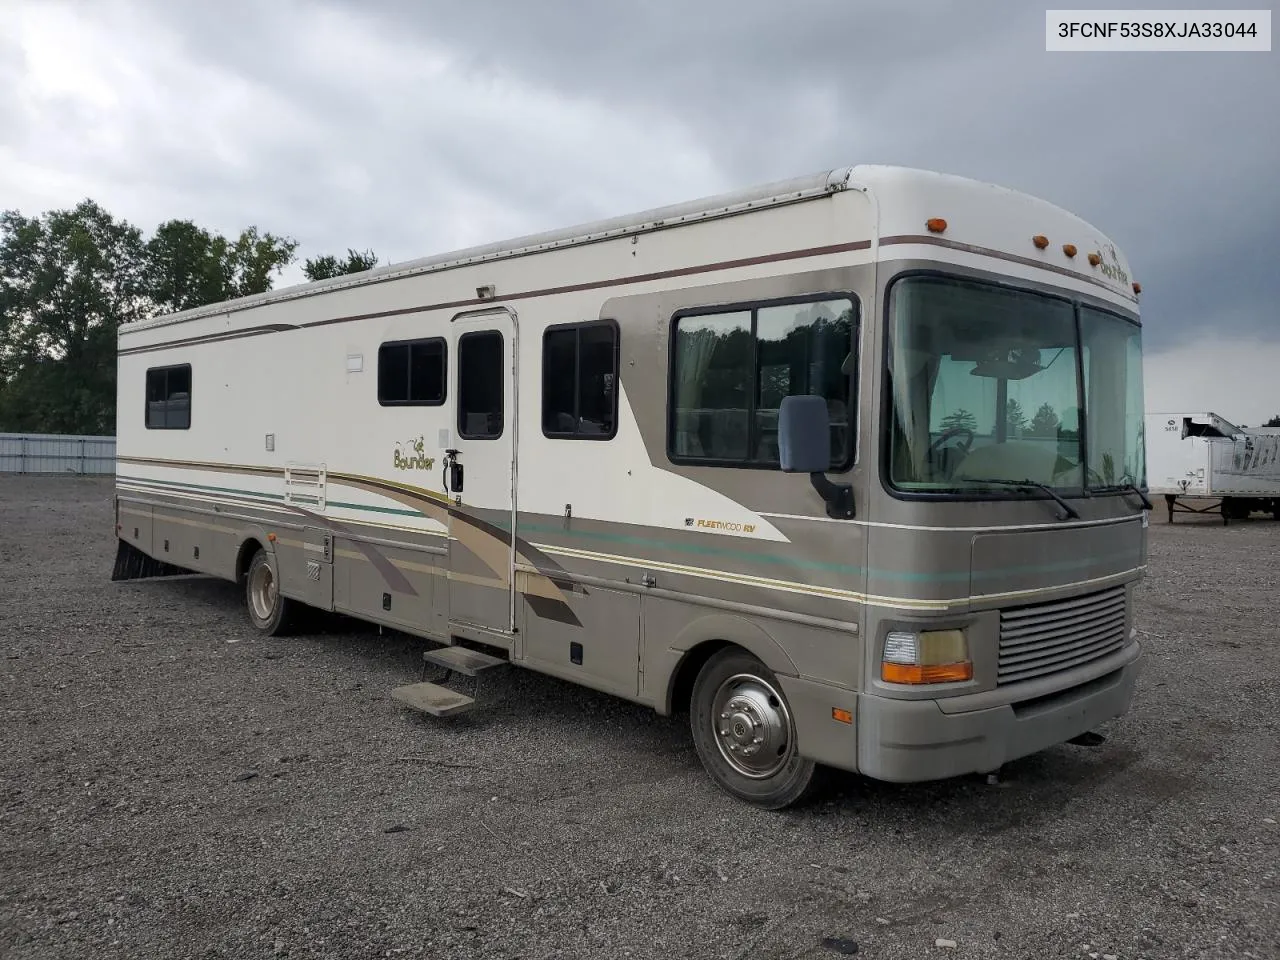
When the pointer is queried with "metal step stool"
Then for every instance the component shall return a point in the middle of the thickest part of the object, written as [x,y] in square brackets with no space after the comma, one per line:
[438,700]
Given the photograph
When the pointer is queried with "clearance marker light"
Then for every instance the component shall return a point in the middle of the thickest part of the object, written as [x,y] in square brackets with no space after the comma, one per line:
[1137,287]
[1094,259]
[1040,241]
[1069,249]
[936,224]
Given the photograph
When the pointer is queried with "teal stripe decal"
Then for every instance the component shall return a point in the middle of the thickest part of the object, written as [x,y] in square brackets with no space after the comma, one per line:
[1128,557]
[957,576]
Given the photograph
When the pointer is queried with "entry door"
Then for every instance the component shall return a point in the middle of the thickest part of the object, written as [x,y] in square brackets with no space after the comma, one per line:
[483,425]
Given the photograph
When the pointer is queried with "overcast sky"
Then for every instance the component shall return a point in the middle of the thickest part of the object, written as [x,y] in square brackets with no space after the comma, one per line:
[412,127]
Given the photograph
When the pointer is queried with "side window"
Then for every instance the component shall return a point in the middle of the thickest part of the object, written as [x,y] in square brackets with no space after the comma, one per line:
[730,370]
[481,381]
[411,373]
[169,398]
[579,381]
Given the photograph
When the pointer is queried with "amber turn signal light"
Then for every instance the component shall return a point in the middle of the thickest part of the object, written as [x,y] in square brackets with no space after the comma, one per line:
[841,715]
[936,224]
[926,673]
[1040,241]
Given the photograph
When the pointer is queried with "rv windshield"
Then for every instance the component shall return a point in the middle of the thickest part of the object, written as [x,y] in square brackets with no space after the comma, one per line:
[986,392]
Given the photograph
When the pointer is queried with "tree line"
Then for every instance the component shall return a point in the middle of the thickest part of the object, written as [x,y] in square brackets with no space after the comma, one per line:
[70,278]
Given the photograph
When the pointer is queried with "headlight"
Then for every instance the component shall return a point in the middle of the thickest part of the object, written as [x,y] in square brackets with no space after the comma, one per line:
[928,656]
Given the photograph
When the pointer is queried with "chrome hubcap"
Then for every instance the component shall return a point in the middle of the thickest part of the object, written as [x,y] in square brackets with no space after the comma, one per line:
[753,726]
[263,592]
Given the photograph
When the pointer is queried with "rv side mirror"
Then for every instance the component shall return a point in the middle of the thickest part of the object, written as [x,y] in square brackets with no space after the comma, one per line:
[804,446]
[804,435]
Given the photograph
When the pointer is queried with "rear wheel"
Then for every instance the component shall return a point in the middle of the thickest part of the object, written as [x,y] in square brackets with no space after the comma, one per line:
[269,611]
[744,732]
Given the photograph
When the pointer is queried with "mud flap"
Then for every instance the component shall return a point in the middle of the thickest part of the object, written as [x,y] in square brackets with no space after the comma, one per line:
[133,564]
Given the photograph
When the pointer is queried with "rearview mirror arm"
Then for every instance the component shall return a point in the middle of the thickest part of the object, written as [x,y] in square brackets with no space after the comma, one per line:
[838,496]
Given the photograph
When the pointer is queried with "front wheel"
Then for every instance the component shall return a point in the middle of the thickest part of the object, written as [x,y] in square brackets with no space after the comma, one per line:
[744,732]
[269,611]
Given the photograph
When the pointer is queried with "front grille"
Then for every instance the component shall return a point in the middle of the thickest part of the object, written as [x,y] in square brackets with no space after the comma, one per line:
[1050,637]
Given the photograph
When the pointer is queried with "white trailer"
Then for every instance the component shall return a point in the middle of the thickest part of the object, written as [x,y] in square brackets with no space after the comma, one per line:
[1201,456]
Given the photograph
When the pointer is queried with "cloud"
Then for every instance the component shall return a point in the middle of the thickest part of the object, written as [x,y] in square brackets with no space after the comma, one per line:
[1236,379]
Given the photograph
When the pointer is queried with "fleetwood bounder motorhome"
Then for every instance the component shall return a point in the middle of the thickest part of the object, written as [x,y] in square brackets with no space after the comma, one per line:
[848,466]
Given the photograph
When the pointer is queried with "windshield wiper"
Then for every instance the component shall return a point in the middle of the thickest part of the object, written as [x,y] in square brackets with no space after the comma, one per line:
[1069,511]
[1128,487]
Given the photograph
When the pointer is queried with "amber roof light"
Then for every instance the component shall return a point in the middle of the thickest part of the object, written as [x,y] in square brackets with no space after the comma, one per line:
[936,224]
[1040,241]
[1069,249]
[1137,287]
[1094,259]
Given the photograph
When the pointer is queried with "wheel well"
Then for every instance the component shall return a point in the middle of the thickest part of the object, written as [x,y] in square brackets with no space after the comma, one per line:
[682,680]
[245,557]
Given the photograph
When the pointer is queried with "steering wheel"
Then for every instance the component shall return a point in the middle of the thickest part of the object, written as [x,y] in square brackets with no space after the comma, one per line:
[949,434]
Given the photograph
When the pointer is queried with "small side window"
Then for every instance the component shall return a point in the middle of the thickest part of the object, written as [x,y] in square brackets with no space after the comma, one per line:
[580,381]
[411,373]
[169,398]
[481,383]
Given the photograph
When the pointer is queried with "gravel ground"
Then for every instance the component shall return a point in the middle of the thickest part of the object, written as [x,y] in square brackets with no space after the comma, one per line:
[174,787]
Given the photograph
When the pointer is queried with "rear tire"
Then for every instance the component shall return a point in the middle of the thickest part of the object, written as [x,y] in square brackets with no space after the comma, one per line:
[745,734]
[270,613]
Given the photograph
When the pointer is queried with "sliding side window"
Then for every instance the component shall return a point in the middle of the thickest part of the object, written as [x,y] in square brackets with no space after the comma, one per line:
[580,381]
[411,373]
[731,368]
[169,398]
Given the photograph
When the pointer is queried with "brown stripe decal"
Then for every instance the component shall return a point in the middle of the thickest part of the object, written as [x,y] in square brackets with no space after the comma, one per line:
[489,543]
[525,295]
[1001,255]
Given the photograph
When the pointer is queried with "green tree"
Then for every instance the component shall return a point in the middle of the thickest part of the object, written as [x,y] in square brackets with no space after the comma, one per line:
[1273,422]
[187,266]
[1015,417]
[960,420]
[1044,423]
[324,267]
[68,279]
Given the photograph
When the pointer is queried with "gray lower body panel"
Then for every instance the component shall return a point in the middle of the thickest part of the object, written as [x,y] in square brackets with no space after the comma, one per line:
[913,740]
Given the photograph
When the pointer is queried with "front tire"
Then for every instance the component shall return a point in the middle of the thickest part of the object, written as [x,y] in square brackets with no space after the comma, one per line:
[269,612]
[745,734]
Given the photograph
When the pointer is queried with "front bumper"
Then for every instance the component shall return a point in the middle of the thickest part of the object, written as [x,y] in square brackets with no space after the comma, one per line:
[914,740]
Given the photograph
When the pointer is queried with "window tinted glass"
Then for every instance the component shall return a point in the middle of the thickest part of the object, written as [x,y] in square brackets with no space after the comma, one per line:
[732,370]
[579,381]
[597,380]
[559,371]
[393,373]
[481,382]
[412,373]
[426,372]
[169,398]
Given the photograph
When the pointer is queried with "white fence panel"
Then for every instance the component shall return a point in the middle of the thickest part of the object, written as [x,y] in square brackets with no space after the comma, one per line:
[56,453]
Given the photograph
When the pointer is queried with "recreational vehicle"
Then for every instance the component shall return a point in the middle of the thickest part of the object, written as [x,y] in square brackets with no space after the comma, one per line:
[849,467]
[1200,458]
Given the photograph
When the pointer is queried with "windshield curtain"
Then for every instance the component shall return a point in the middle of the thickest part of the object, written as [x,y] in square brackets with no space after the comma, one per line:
[986,391]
